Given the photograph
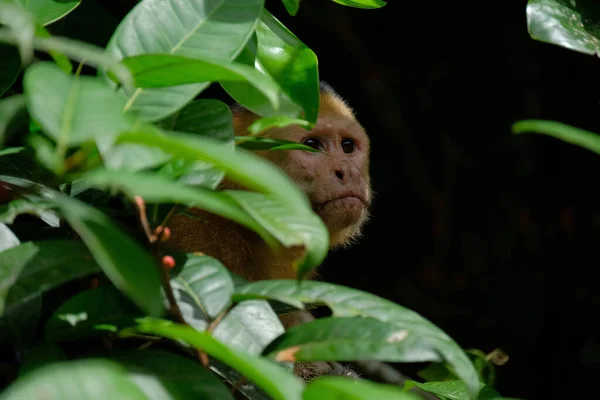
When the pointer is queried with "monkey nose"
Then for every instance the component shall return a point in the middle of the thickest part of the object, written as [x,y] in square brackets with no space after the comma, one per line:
[339,174]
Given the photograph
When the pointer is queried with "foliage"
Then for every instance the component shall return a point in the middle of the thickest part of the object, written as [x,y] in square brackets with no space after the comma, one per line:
[119,140]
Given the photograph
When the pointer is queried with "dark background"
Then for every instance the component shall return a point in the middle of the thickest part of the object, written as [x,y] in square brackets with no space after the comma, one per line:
[489,235]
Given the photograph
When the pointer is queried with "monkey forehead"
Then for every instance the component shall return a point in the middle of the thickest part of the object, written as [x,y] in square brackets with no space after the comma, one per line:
[327,125]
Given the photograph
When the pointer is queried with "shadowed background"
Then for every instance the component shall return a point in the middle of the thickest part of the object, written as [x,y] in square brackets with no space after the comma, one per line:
[491,236]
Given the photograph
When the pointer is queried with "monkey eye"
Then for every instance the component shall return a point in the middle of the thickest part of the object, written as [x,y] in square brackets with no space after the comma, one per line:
[348,146]
[314,143]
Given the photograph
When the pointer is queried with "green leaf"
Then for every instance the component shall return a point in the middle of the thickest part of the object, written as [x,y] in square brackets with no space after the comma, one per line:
[347,302]
[579,137]
[39,208]
[353,338]
[22,28]
[195,28]
[365,4]
[155,189]
[291,6]
[166,376]
[233,377]
[279,121]
[10,109]
[126,263]
[33,268]
[290,62]
[569,24]
[46,12]
[206,117]
[59,58]
[203,289]
[452,390]
[250,326]
[41,354]
[265,143]
[91,379]
[291,226]
[11,150]
[241,166]
[73,110]
[272,378]
[10,67]
[337,387]
[8,240]
[79,315]
[163,70]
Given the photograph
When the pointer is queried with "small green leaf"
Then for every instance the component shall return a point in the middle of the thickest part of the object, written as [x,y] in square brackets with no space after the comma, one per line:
[279,121]
[569,24]
[33,268]
[162,375]
[203,289]
[291,226]
[266,374]
[41,354]
[291,6]
[347,302]
[579,137]
[264,143]
[290,62]
[40,208]
[91,379]
[10,109]
[22,28]
[250,326]
[194,28]
[365,4]
[337,387]
[46,12]
[10,67]
[353,338]
[11,150]
[163,70]
[241,166]
[103,305]
[453,390]
[154,189]
[8,240]
[126,263]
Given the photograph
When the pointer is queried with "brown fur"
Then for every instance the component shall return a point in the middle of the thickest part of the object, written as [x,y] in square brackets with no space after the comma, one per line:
[324,177]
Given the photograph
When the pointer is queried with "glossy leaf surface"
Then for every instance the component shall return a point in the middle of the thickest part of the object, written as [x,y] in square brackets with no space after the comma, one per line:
[7,239]
[335,387]
[570,134]
[347,302]
[75,380]
[453,390]
[48,11]
[272,378]
[366,4]
[127,264]
[570,24]
[195,28]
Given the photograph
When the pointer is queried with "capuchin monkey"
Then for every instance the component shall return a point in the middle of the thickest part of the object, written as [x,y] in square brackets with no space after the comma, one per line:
[336,181]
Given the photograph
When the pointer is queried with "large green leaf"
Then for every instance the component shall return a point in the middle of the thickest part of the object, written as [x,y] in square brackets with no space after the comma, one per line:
[35,267]
[241,166]
[48,11]
[266,374]
[167,376]
[194,28]
[155,189]
[127,264]
[453,390]
[336,387]
[203,289]
[75,380]
[353,338]
[291,226]
[366,4]
[567,23]
[206,117]
[347,302]
[73,110]
[79,315]
[163,70]
[579,137]
[10,66]
[290,62]
[250,326]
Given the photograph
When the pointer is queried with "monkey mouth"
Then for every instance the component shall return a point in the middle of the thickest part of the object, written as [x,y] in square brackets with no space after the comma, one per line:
[348,198]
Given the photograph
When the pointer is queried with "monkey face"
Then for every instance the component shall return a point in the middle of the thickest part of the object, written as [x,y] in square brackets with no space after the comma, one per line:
[335,179]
